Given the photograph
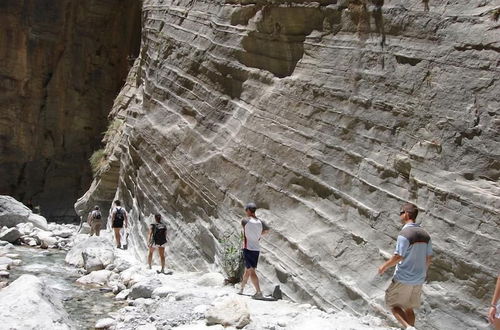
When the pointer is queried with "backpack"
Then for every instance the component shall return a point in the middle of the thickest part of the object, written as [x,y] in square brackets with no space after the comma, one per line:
[96,215]
[159,233]
[119,214]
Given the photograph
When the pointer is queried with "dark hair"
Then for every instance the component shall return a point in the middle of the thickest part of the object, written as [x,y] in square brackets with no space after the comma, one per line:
[411,210]
[117,202]
[158,216]
[96,207]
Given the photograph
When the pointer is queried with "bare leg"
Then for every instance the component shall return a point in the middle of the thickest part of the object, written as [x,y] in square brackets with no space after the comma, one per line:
[255,280]
[91,229]
[161,250]
[98,229]
[400,316]
[117,237]
[245,279]
[496,324]
[410,316]
[150,256]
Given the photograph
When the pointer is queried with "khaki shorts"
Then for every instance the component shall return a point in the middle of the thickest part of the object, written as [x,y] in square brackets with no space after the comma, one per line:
[403,295]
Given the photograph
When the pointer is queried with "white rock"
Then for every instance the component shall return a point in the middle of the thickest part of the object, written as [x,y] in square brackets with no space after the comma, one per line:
[12,255]
[148,326]
[199,326]
[123,294]
[4,274]
[3,243]
[232,311]
[211,279]
[95,247]
[10,235]
[25,228]
[38,221]
[12,212]
[99,277]
[4,267]
[144,289]
[64,233]
[85,229]
[29,296]
[17,262]
[6,261]
[162,291]
[104,323]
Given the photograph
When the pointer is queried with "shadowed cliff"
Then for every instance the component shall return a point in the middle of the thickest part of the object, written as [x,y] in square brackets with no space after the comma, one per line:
[62,62]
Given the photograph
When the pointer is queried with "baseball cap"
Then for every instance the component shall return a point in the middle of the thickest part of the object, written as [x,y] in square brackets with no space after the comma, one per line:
[251,207]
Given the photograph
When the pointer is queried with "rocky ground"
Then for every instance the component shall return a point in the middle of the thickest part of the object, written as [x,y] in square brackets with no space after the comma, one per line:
[152,300]
[190,300]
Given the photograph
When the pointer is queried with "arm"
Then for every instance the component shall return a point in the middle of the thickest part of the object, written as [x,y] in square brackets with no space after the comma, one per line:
[150,235]
[428,261]
[389,263]
[265,228]
[126,219]
[494,301]
[402,244]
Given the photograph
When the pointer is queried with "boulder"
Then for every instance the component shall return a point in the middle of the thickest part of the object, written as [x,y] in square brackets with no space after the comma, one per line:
[10,235]
[25,228]
[85,229]
[91,262]
[211,279]
[162,292]
[105,323]
[3,243]
[38,221]
[123,294]
[13,212]
[99,277]
[6,261]
[97,249]
[232,311]
[144,289]
[30,296]
[4,274]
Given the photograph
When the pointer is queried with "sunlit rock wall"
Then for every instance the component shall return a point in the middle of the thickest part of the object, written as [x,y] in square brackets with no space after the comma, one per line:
[329,115]
[62,62]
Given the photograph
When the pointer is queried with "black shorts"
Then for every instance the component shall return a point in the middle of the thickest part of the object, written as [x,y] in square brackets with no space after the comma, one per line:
[251,258]
[117,223]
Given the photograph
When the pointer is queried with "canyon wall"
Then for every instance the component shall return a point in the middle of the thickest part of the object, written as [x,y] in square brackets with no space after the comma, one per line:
[329,115]
[62,62]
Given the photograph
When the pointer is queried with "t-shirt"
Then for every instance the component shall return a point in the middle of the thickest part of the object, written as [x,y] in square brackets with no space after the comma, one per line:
[94,214]
[414,245]
[252,231]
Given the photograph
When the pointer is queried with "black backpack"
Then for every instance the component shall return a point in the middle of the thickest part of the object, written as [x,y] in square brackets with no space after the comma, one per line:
[119,214]
[96,215]
[159,233]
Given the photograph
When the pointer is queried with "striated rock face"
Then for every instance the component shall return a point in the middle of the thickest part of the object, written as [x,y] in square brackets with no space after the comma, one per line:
[329,115]
[62,62]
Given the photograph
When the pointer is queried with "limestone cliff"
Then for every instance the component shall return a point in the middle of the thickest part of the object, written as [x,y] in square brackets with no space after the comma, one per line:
[329,115]
[62,62]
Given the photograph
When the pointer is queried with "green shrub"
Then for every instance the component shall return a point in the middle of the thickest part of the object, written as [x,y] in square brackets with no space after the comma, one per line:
[113,128]
[97,161]
[231,258]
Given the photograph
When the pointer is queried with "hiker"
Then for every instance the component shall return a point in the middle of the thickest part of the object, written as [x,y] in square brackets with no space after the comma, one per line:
[494,313]
[157,238]
[253,228]
[94,221]
[412,258]
[118,219]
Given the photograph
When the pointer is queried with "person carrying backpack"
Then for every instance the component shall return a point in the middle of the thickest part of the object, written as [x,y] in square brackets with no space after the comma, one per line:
[118,219]
[94,221]
[157,238]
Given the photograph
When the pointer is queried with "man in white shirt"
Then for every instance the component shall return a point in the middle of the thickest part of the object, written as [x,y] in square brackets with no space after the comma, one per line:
[253,228]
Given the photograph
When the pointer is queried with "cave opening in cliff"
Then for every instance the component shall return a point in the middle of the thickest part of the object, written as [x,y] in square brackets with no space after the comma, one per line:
[63,64]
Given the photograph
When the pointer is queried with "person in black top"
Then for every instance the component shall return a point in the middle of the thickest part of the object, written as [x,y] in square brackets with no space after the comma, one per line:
[118,219]
[157,238]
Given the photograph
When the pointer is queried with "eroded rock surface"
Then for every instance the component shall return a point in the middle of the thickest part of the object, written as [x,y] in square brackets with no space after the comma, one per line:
[328,115]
